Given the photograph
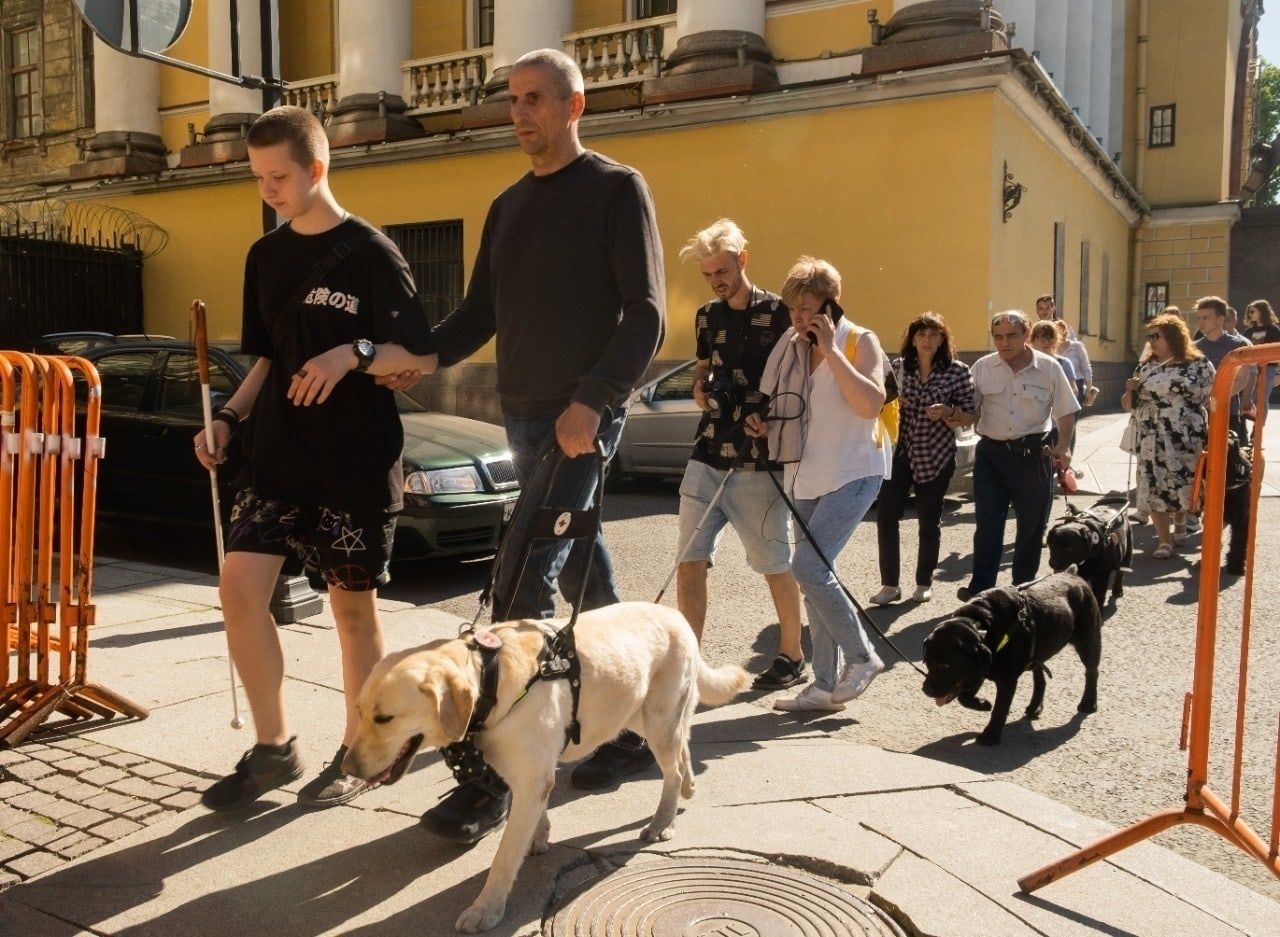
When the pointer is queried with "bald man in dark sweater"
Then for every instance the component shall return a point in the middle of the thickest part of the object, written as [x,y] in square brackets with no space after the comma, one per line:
[569,279]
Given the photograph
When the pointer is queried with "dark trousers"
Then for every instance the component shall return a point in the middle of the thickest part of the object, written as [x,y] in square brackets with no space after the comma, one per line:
[1004,476]
[889,510]
[529,591]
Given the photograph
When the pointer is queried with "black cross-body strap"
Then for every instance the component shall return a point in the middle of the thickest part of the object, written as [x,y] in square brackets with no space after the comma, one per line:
[330,262]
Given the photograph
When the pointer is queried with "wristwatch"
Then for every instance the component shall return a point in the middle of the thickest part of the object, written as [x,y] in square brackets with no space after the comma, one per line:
[365,352]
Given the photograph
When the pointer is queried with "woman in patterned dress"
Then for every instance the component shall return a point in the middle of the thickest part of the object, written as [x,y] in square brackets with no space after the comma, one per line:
[1167,397]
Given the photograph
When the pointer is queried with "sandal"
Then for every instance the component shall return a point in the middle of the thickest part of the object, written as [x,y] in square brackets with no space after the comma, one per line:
[1162,552]
[782,673]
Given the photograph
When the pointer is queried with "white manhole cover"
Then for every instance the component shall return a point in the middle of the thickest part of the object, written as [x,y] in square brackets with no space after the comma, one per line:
[717,898]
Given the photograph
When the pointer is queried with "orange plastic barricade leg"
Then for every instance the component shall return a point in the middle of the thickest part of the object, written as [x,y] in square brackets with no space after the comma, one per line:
[1204,807]
[41,459]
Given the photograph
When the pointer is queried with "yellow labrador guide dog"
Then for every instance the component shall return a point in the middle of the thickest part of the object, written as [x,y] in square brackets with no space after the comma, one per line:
[641,670]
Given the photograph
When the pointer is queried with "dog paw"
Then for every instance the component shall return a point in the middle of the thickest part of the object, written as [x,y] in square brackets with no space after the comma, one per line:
[480,917]
[1090,707]
[989,738]
[654,835]
[975,702]
[539,845]
[1034,713]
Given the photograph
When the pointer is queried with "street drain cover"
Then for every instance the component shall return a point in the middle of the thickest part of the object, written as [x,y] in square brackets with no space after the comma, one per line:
[718,898]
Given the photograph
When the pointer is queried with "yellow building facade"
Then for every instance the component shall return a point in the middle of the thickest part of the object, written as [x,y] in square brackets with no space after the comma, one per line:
[934,160]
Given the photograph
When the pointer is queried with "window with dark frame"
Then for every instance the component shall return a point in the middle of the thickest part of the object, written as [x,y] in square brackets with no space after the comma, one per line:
[1084,288]
[647,8]
[1161,126]
[24,83]
[1059,258]
[1155,299]
[86,65]
[433,251]
[484,22]
[1104,299]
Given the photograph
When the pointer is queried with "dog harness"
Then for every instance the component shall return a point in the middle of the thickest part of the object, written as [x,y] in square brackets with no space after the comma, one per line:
[463,758]
[1110,526]
[559,657]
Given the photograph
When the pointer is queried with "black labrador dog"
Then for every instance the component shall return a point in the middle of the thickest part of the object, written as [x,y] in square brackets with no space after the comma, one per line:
[1098,542]
[1005,631]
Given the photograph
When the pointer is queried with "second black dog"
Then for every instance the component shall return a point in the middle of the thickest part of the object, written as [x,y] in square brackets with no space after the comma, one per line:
[1098,542]
[1006,631]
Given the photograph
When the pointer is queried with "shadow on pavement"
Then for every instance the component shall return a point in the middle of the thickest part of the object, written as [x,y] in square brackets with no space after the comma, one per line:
[1092,923]
[1022,741]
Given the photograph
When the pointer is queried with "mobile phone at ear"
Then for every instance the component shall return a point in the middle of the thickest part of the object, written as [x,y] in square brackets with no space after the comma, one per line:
[831,309]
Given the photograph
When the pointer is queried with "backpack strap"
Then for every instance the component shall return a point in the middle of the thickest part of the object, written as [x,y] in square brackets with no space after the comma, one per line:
[851,352]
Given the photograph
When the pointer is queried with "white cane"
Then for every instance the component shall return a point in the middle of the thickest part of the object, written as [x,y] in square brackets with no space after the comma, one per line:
[684,550]
[202,359]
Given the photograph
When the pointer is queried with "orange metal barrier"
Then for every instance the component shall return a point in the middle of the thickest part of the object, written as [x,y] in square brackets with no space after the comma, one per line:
[39,514]
[1204,807]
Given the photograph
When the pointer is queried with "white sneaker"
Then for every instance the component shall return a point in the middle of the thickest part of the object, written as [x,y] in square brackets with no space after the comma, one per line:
[856,678]
[811,699]
[922,594]
[886,595]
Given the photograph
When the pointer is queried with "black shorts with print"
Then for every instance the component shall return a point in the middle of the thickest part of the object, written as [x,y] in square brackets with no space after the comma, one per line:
[338,549]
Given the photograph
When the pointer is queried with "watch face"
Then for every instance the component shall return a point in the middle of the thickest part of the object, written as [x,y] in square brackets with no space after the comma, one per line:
[364,348]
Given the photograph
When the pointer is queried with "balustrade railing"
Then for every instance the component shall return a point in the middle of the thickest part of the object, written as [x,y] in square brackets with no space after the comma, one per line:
[624,54]
[318,95]
[444,82]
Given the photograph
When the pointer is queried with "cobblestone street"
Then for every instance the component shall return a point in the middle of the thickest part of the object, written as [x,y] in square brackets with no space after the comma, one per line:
[65,796]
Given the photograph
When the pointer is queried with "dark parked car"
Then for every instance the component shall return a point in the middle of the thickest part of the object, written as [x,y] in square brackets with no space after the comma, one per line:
[460,482]
[663,419]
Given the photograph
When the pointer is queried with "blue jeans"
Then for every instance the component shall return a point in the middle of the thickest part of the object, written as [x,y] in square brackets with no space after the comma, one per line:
[551,560]
[1004,476]
[833,621]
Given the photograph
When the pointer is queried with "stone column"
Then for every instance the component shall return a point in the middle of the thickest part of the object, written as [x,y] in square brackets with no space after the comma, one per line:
[720,50]
[1100,79]
[231,108]
[520,26]
[926,32]
[1051,39]
[1080,47]
[374,39]
[1022,14]
[126,117]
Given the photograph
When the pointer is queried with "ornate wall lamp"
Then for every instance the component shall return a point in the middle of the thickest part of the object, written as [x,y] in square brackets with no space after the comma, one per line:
[1012,193]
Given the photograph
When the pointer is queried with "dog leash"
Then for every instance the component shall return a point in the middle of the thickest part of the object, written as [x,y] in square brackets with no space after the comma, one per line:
[800,522]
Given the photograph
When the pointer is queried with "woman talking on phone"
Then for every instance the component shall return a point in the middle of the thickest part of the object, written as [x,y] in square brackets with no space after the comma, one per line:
[828,376]
[933,387]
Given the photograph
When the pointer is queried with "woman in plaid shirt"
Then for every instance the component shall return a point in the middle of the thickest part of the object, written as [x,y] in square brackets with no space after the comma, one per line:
[933,389]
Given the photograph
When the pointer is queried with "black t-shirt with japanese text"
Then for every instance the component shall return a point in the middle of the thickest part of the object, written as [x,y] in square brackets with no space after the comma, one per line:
[344,453]
[737,342]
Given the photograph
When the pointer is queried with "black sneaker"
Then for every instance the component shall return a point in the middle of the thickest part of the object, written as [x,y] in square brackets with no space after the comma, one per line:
[262,768]
[468,814]
[612,761]
[782,673]
[964,593]
[331,787]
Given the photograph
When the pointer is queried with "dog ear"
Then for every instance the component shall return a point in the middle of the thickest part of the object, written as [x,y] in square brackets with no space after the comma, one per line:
[455,701]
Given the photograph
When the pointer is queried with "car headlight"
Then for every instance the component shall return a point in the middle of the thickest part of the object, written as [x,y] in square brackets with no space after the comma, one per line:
[459,480]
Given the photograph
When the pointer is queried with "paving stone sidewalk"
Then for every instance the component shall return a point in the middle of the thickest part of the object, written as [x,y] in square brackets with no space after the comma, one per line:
[63,797]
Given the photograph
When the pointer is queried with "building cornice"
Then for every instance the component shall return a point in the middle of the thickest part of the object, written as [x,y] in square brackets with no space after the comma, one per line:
[998,74]
[1196,214]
